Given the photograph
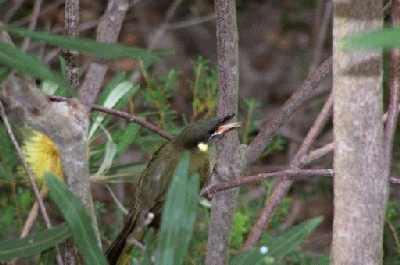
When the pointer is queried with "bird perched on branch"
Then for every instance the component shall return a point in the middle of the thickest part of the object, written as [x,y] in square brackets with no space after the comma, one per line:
[154,181]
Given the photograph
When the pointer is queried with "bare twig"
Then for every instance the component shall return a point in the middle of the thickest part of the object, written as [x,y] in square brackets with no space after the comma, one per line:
[157,35]
[393,108]
[228,161]
[117,202]
[161,29]
[210,191]
[11,12]
[126,116]
[246,180]
[29,172]
[71,25]
[49,8]
[283,185]
[317,153]
[32,24]
[301,95]
[190,22]
[395,180]
[322,34]
[32,215]
[107,31]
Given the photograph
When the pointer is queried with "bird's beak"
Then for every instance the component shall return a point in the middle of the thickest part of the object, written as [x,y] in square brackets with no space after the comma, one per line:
[224,128]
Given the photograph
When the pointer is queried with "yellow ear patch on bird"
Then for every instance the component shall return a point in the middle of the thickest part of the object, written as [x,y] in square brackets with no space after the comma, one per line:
[203,147]
[42,155]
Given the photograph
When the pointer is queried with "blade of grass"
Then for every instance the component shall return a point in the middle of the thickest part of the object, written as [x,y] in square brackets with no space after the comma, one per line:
[34,244]
[100,50]
[77,219]
[180,208]
[385,38]
[15,59]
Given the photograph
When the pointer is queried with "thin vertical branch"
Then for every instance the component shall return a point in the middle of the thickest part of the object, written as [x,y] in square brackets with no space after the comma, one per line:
[322,33]
[11,12]
[33,23]
[302,94]
[283,185]
[71,25]
[393,108]
[108,31]
[228,154]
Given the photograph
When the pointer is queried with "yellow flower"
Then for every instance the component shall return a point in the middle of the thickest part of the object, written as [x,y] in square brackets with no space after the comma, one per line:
[42,156]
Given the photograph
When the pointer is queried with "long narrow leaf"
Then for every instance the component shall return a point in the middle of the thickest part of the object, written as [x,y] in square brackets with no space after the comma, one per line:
[178,216]
[385,38]
[100,50]
[77,219]
[254,256]
[109,154]
[34,244]
[274,248]
[15,59]
[115,95]
[283,244]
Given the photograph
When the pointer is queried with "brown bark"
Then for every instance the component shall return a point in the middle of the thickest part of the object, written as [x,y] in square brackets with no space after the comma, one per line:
[108,31]
[361,179]
[228,160]
[72,30]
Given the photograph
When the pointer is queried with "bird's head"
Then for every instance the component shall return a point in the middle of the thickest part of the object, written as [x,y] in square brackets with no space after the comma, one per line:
[203,131]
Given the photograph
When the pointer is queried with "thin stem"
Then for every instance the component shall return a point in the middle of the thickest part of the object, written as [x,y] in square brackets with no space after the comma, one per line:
[126,116]
[246,180]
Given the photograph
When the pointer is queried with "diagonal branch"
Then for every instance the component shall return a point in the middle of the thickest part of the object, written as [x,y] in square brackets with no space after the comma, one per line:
[304,93]
[246,180]
[283,185]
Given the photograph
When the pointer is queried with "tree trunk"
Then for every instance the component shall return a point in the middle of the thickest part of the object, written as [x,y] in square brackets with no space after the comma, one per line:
[361,178]
[228,161]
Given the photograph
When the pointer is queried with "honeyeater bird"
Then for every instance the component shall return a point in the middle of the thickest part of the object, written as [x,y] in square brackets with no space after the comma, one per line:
[152,184]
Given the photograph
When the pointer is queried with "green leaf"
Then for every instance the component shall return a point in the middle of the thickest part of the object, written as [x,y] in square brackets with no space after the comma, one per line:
[98,49]
[253,256]
[285,243]
[385,38]
[111,150]
[178,216]
[116,94]
[127,137]
[34,244]
[15,59]
[48,257]
[8,159]
[273,248]
[77,219]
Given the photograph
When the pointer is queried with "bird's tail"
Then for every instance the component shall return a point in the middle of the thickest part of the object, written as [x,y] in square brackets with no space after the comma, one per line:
[116,248]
